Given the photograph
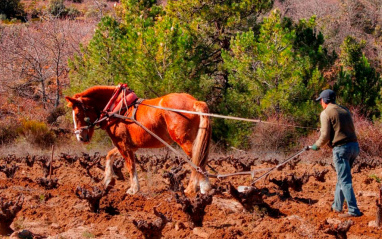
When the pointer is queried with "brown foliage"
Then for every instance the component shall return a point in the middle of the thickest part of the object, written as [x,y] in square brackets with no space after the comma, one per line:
[175,177]
[48,183]
[93,197]
[291,181]
[9,171]
[37,133]
[369,135]
[152,229]
[8,211]
[9,129]
[340,230]
[274,137]
[194,208]
[248,198]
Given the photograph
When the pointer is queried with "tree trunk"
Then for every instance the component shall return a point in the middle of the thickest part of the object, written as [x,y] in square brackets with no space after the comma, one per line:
[57,91]
[44,98]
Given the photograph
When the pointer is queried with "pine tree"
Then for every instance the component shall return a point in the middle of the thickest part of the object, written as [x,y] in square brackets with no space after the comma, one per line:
[358,82]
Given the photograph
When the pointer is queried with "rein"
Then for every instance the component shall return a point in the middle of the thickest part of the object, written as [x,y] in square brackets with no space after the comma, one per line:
[225,116]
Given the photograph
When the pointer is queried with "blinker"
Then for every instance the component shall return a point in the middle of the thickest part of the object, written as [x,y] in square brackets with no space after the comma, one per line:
[87,120]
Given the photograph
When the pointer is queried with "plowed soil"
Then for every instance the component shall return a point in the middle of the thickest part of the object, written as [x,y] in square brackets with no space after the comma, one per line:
[59,213]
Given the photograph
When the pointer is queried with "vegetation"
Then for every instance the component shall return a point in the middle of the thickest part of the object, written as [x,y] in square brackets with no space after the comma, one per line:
[358,82]
[11,9]
[244,58]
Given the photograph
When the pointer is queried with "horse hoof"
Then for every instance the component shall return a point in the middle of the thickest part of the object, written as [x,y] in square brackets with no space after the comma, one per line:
[110,182]
[205,187]
[131,191]
[190,189]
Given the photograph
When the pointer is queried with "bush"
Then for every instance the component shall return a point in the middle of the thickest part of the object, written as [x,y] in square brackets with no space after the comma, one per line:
[57,8]
[54,114]
[73,13]
[37,133]
[369,135]
[8,130]
[12,9]
[277,135]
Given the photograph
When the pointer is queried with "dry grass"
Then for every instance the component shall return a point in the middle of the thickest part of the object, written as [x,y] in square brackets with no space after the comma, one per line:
[273,139]
[369,136]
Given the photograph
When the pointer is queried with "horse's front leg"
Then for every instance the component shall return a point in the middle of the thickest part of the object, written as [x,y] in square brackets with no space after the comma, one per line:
[109,179]
[130,164]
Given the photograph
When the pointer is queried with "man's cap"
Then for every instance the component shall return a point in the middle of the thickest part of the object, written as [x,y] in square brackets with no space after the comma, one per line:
[327,95]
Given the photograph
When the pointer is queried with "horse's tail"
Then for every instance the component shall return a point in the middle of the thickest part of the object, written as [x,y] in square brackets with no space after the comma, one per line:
[201,144]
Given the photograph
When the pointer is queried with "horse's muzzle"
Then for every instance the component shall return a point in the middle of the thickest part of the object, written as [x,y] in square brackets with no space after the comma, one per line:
[84,139]
[80,137]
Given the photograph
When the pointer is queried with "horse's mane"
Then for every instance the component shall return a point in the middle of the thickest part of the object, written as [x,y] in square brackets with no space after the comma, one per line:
[96,92]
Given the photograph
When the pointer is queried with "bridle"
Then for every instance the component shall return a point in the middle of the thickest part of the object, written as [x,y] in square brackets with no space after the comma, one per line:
[86,118]
[109,109]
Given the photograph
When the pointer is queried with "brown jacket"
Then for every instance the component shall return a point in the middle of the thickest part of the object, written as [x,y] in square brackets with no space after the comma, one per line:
[337,126]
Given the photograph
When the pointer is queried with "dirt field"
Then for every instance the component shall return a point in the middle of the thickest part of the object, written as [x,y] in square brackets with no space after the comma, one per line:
[60,213]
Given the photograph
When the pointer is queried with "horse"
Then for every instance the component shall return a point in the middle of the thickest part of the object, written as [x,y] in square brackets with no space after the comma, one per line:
[192,132]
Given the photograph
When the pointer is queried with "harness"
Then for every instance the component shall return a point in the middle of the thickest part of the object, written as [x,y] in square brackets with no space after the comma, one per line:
[116,105]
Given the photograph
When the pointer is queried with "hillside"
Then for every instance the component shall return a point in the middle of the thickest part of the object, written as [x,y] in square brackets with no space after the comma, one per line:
[339,18]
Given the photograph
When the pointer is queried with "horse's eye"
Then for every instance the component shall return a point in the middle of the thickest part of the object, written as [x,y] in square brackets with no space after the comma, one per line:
[87,119]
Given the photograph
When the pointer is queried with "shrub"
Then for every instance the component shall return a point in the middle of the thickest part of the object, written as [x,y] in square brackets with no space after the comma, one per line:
[54,114]
[369,135]
[12,9]
[57,8]
[73,13]
[275,136]
[8,130]
[37,133]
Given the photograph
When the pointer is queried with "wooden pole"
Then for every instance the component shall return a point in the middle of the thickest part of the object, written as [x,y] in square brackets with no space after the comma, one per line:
[51,162]
[379,208]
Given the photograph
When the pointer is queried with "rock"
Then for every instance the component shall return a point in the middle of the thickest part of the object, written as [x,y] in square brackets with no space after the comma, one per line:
[55,226]
[227,204]
[200,232]
[372,224]
[25,234]
[179,226]
[367,194]
[333,221]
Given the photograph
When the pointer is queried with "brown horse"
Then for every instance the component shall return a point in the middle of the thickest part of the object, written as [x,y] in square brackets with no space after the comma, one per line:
[191,132]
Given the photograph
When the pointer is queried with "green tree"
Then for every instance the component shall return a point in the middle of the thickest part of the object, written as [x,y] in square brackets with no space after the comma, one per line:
[57,8]
[214,23]
[159,51]
[358,82]
[12,9]
[276,72]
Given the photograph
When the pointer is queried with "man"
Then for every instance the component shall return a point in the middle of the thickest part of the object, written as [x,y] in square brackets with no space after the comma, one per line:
[337,130]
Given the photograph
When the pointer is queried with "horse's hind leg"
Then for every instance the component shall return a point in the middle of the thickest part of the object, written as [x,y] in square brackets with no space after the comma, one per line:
[200,151]
[109,179]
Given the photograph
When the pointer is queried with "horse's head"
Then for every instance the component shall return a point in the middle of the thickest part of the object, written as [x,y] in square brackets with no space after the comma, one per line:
[83,117]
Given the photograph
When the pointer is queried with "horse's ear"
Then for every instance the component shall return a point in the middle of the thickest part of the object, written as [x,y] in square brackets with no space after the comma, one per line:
[71,101]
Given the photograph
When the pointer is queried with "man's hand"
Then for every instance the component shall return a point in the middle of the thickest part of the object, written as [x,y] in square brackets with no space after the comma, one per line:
[314,147]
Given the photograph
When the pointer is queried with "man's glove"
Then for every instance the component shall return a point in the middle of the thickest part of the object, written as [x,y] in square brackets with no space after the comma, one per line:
[314,147]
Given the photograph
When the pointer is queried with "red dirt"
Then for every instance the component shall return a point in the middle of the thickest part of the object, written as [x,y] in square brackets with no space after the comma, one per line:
[59,212]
